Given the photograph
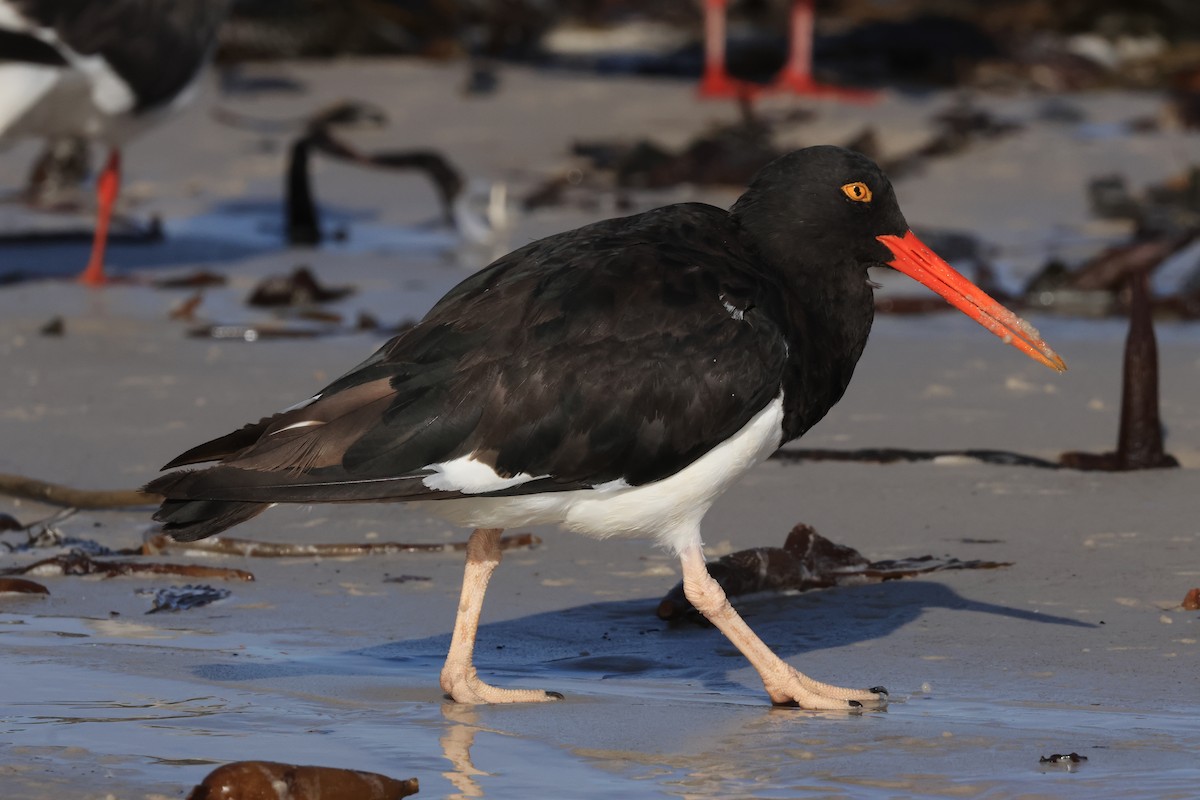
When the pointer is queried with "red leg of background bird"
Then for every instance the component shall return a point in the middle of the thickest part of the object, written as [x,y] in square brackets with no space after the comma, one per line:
[783,683]
[796,76]
[716,81]
[107,188]
[797,72]
[459,679]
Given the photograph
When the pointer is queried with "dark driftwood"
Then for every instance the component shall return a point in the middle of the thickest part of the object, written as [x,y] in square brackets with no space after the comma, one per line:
[58,495]
[78,563]
[21,586]
[1140,437]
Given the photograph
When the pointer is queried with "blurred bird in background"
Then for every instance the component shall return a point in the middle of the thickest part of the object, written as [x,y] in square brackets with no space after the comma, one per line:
[103,71]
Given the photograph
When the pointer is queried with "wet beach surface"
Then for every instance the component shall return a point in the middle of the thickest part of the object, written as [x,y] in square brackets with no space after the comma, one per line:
[1080,646]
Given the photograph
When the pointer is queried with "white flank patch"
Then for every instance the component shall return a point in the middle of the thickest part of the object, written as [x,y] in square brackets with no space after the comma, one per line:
[611,486]
[469,476]
[668,510]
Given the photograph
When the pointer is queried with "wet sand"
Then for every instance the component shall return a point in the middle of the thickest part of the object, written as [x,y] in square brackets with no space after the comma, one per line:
[1080,646]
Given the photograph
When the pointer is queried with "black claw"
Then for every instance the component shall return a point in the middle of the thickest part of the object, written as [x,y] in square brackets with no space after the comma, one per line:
[555,695]
[878,690]
[855,704]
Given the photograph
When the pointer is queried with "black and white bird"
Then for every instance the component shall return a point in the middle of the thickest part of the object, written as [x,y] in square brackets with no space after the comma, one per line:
[100,69]
[614,379]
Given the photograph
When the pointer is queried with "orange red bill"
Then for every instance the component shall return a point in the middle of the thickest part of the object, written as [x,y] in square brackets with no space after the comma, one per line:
[916,260]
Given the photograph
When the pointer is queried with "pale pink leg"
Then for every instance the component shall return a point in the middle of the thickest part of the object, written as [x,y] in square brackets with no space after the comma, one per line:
[784,685]
[459,679]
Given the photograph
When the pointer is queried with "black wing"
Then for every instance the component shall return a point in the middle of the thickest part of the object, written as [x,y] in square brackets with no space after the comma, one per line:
[623,350]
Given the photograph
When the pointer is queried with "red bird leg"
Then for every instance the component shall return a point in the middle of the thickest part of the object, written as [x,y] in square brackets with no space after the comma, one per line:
[797,72]
[716,81]
[107,188]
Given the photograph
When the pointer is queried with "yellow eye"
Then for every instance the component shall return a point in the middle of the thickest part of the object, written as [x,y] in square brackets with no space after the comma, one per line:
[857,191]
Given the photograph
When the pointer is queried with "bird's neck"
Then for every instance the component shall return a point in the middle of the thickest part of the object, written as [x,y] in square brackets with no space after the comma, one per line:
[828,317]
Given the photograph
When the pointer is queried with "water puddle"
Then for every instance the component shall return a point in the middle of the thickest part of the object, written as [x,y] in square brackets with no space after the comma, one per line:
[259,226]
[108,706]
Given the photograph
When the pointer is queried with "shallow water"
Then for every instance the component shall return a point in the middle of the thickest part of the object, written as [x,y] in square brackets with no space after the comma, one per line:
[630,727]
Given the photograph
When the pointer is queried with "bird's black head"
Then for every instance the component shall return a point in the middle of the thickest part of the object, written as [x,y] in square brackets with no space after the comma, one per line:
[822,215]
[820,207]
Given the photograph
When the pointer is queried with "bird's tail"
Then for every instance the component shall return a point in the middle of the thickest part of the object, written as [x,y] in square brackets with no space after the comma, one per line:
[187,520]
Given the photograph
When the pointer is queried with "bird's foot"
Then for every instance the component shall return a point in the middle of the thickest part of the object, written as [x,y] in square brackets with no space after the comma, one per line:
[795,689]
[465,686]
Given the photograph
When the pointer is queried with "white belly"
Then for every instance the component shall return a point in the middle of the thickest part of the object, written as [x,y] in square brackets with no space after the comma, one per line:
[668,510]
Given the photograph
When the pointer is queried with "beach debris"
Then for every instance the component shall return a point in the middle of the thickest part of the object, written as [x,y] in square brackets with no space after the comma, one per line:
[1101,285]
[806,561]
[21,586]
[55,327]
[329,325]
[59,495]
[79,563]
[269,780]
[315,134]
[724,155]
[300,288]
[1063,758]
[182,598]
[1184,103]
[200,279]
[483,78]
[301,217]
[1191,600]
[185,311]
[1109,198]
[156,543]
[57,175]
[254,333]
[407,579]
[1168,209]
[1140,436]
[955,130]
[50,537]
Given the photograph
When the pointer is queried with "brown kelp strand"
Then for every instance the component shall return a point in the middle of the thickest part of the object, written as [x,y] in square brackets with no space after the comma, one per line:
[806,561]
[77,563]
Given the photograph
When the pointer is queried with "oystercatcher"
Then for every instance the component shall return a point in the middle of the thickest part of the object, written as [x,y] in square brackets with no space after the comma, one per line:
[613,379]
[101,69]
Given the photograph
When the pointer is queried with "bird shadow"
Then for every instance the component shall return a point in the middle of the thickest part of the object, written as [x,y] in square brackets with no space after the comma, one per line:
[624,641]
